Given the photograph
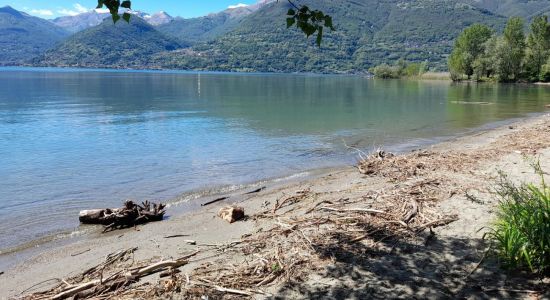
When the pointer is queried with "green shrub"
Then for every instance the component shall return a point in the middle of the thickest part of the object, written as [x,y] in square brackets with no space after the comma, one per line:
[386,71]
[521,233]
[545,72]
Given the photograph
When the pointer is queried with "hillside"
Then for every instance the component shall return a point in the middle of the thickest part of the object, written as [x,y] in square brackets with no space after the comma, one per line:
[521,8]
[368,32]
[23,37]
[93,18]
[121,46]
[208,27]
[255,38]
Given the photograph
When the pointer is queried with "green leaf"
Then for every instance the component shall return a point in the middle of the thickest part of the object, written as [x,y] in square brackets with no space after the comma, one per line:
[328,22]
[308,29]
[126,4]
[319,36]
[116,17]
[290,22]
[290,12]
[100,3]
[126,17]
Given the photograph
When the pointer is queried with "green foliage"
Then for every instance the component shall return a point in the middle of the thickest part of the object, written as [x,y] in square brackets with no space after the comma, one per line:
[486,62]
[309,21]
[469,45]
[402,68]
[545,72]
[510,57]
[521,233]
[114,6]
[386,71]
[538,47]
[512,50]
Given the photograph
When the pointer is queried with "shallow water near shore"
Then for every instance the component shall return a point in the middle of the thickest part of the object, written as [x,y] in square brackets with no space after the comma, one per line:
[79,139]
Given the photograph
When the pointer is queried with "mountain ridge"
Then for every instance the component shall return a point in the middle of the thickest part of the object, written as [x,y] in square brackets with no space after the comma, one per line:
[255,38]
[23,36]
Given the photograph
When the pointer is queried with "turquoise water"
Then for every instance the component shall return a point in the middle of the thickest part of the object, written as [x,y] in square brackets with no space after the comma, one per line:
[74,139]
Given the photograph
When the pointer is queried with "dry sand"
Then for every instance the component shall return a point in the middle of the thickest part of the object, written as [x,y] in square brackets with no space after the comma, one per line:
[424,266]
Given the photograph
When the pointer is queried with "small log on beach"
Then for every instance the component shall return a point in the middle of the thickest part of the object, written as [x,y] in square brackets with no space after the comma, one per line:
[130,215]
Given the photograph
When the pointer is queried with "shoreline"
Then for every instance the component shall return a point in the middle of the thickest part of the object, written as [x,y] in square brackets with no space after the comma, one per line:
[204,227]
[189,202]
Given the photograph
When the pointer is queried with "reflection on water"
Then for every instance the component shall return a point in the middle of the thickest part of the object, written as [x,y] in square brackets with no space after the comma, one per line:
[71,140]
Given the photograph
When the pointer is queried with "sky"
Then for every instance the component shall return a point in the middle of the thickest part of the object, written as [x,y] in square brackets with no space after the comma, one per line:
[183,8]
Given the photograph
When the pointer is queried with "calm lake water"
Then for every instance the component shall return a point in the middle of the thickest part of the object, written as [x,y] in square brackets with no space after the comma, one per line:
[73,139]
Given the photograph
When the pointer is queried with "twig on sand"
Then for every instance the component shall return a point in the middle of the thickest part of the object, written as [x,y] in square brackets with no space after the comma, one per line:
[175,236]
[214,201]
[478,264]
[256,190]
[82,252]
[357,209]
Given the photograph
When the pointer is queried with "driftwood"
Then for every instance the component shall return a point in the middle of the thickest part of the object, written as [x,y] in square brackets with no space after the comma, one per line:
[118,279]
[130,215]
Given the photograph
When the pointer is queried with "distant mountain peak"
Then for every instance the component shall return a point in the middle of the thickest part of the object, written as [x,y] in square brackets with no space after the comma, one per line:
[11,11]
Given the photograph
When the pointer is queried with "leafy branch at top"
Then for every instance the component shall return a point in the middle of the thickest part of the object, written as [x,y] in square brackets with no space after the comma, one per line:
[307,20]
[113,6]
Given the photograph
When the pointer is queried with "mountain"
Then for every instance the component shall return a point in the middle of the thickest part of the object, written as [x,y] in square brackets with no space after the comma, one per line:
[81,21]
[124,45]
[23,36]
[255,38]
[368,32]
[157,18]
[93,18]
[521,8]
[208,27]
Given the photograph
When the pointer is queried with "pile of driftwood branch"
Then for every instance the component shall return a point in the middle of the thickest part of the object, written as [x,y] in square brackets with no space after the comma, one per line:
[130,215]
[110,277]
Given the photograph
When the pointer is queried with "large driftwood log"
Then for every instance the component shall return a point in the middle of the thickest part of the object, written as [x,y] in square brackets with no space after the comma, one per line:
[130,215]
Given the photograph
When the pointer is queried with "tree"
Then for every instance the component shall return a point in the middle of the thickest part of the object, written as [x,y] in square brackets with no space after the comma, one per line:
[512,51]
[545,72]
[485,64]
[309,21]
[468,47]
[538,46]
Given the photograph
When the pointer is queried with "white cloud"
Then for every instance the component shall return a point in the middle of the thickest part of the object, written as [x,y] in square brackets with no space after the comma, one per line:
[237,5]
[80,8]
[77,9]
[41,12]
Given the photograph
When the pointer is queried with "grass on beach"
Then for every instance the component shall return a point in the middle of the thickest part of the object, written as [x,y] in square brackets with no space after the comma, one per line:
[521,234]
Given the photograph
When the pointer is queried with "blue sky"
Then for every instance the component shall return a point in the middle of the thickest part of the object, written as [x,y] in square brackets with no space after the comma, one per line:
[183,8]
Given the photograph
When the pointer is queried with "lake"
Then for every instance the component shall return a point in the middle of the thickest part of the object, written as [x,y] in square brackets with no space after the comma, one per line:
[80,139]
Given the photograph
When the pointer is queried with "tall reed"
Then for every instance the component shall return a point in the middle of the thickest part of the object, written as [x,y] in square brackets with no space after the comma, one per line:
[521,233]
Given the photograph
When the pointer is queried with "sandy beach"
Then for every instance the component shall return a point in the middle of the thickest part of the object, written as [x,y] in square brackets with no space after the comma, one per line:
[444,258]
